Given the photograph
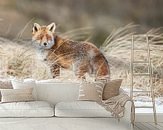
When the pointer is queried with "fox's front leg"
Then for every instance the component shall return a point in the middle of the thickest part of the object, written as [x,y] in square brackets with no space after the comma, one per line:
[55,70]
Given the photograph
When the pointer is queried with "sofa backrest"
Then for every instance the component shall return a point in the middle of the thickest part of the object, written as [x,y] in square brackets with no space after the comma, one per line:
[55,92]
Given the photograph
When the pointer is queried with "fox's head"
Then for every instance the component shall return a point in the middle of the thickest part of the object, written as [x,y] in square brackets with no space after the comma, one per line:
[43,36]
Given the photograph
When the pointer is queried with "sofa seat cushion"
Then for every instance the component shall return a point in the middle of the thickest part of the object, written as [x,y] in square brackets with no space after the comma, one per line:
[26,109]
[80,109]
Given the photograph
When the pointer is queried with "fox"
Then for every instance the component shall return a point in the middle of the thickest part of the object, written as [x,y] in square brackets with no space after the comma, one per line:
[58,52]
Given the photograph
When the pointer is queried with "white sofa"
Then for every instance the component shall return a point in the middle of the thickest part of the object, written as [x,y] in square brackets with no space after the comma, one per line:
[63,113]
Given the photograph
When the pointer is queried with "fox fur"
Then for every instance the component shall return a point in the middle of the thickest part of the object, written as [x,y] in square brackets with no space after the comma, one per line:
[82,57]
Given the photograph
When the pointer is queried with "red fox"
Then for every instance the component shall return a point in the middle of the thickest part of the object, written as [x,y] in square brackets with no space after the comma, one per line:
[59,52]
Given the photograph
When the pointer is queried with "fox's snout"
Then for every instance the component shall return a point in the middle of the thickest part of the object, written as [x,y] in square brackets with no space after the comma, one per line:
[43,36]
[45,44]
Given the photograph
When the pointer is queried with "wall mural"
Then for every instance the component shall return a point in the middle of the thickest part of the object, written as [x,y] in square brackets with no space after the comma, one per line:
[20,59]
[30,58]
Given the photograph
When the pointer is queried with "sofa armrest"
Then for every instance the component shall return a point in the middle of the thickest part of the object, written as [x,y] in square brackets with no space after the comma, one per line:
[127,118]
[128,107]
[127,112]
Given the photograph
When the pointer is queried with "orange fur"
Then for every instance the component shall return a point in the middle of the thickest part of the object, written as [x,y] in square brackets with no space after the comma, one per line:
[84,56]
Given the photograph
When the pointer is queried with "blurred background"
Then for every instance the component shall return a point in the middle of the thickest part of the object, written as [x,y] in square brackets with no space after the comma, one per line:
[103,16]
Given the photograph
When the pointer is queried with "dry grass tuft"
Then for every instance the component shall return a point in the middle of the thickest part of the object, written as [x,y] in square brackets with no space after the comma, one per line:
[20,61]
[15,59]
[18,58]
[117,48]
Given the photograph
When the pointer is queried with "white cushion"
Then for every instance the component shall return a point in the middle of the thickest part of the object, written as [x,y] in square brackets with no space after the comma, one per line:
[26,109]
[80,109]
[23,84]
[57,92]
[19,84]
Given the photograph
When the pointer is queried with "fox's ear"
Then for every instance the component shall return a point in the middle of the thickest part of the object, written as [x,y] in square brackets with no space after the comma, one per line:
[51,27]
[36,27]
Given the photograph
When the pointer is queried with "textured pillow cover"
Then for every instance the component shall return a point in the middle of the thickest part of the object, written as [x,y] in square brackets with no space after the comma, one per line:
[91,91]
[26,83]
[111,88]
[5,84]
[21,84]
[16,95]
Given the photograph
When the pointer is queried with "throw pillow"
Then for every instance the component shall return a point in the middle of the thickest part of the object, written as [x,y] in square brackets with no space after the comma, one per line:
[26,83]
[21,84]
[91,91]
[5,84]
[111,88]
[16,95]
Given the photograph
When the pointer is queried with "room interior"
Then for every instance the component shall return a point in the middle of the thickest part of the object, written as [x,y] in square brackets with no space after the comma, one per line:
[81,65]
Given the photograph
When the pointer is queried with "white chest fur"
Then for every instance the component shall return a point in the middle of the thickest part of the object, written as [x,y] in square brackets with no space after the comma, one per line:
[42,54]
